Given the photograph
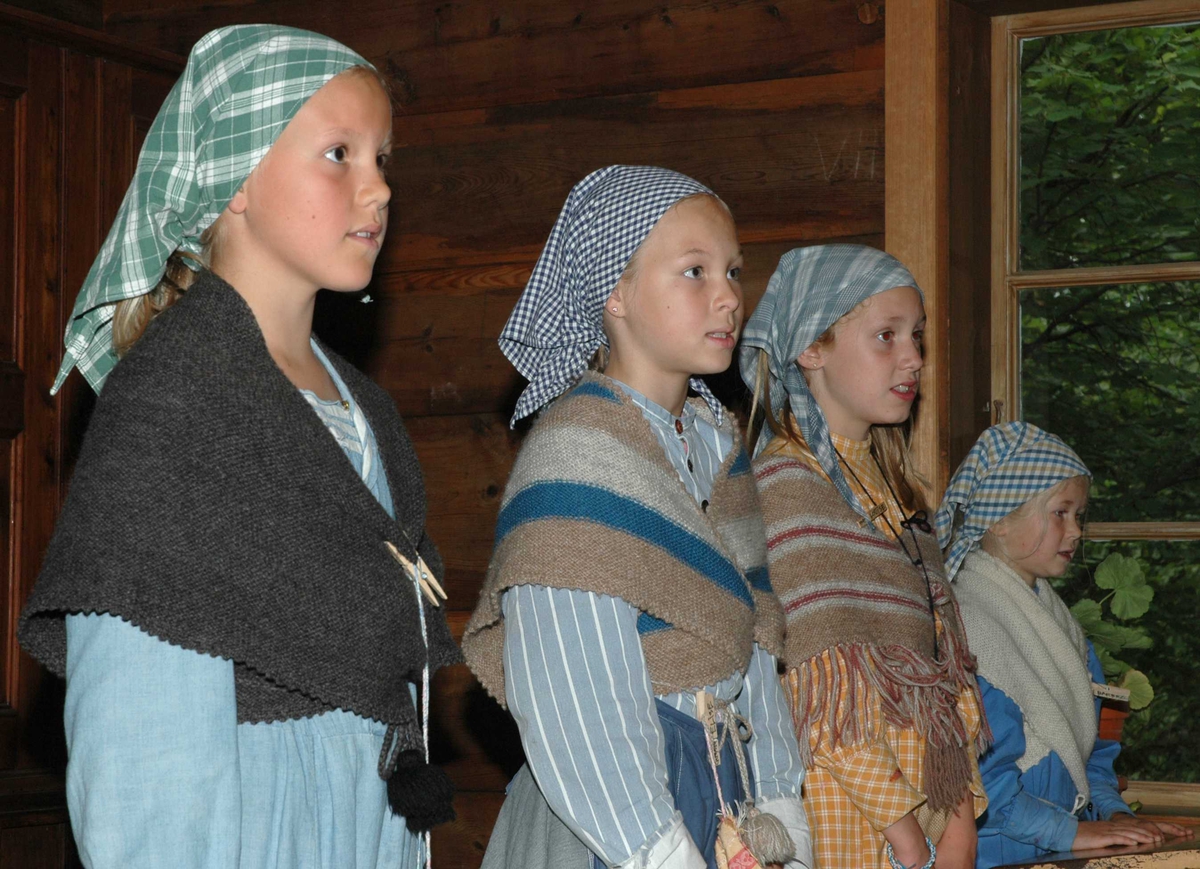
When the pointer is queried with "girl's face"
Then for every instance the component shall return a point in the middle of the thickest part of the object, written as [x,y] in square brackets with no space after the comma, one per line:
[314,210]
[1041,542]
[871,372]
[681,312]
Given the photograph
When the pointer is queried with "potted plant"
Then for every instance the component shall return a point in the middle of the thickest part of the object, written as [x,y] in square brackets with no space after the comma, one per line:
[1128,596]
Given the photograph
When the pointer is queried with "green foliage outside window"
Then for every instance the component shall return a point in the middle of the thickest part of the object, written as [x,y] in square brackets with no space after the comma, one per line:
[1110,171]
[1110,175]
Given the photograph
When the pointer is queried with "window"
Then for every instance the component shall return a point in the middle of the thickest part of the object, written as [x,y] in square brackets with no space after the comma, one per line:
[1096,306]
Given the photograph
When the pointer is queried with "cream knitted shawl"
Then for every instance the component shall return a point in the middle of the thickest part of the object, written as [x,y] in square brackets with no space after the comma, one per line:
[1030,647]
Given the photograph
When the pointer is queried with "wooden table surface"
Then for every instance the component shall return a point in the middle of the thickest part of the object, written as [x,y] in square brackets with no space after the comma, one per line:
[1172,854]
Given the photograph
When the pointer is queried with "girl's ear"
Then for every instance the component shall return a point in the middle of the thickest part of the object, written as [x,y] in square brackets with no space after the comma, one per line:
[812,359]
[1000,529]
[238,204]
[615,304]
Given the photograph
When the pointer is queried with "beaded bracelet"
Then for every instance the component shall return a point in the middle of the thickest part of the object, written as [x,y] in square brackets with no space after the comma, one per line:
[896,864]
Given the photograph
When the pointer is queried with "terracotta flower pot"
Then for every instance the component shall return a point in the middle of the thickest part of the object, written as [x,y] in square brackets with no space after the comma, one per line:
[1112,719]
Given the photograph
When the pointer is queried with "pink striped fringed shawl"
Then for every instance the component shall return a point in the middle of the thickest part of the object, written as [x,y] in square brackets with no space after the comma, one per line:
[850,588]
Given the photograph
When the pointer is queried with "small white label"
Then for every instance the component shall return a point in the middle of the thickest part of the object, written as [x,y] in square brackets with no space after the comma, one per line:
[1110,692]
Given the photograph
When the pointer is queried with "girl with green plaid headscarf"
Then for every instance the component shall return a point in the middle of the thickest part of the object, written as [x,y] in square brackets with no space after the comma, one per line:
[884,700]
[240,592]
[1011,519]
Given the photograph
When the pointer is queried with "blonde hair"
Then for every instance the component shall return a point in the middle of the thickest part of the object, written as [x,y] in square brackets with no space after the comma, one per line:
[132,316]
[890,444]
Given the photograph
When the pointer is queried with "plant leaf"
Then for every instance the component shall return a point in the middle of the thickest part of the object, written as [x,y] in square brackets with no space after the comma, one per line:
[1119,571]
[1088,614]
[1131,602]
[1112,667]
[1141,692]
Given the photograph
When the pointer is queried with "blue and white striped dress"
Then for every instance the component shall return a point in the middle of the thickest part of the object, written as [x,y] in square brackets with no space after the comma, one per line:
[161,773]
[577,684]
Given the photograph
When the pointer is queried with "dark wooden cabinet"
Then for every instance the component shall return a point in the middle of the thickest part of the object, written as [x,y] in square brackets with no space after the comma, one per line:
[73,110]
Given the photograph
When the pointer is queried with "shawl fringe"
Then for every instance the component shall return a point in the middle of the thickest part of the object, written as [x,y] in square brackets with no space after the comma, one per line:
[914,693]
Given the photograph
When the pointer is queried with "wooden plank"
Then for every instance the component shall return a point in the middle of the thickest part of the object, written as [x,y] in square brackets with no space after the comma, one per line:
[917,218]
[33,846]
[443,57]
[473,739]
[466,461]
[803,160]
[85,13]
[968,296]
[38,457]
[461,843]
[67,35]
[92,124]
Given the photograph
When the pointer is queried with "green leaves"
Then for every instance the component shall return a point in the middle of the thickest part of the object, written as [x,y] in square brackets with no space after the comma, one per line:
[1131,594]
[1129,597]
[1140,692]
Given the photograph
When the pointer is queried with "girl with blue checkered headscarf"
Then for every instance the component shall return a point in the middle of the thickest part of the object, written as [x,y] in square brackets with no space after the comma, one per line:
[627,609]
[240,592]
[883,694]
[1010,520]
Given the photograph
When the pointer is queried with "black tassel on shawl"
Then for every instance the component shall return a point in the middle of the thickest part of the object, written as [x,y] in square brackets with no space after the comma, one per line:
[420,793]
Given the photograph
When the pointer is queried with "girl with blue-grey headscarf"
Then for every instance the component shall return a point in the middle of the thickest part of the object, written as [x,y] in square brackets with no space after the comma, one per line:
[882,685]
[1011,519]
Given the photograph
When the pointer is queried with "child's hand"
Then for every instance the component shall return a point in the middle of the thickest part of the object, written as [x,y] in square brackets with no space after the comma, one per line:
[956,850]
[1103,834]
[1165,828]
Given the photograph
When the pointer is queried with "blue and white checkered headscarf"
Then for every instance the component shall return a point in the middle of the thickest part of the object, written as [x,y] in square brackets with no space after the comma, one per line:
[1009,464]
[558,324]
[813,288]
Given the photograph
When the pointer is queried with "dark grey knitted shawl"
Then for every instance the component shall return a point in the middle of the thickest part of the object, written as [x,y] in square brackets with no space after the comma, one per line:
[211,508]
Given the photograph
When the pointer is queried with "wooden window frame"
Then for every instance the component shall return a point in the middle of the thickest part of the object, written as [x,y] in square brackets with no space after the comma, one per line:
[1008,281]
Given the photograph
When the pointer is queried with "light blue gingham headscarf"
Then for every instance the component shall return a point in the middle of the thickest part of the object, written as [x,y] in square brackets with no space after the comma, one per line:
[558,324]
[240,88]
[812,288]
[1009,464]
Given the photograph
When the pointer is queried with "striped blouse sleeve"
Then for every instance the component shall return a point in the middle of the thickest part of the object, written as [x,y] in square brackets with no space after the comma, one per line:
[578,687]
[773,753]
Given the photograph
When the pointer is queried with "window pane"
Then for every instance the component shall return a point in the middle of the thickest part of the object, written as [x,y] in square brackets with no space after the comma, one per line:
[1115,371]
[1159,742]
[1110,171]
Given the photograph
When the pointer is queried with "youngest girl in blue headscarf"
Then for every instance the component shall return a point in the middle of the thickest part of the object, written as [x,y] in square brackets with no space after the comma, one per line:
[1012,517]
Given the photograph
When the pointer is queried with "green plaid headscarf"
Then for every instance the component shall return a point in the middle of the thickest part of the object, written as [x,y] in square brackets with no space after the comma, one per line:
[240,88]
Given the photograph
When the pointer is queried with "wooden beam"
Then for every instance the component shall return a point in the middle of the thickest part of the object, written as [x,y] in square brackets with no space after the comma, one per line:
[916,179]
[68,35]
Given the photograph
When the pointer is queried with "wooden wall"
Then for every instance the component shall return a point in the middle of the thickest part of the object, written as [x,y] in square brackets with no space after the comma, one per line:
[74,107]
[501,107]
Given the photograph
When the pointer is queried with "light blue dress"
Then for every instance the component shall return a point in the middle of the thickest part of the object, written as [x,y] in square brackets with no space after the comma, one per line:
[1029,813]
[162,775]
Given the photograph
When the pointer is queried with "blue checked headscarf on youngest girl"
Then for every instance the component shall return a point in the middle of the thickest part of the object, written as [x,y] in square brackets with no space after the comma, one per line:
[1009,464]
[558,323]
[811,289]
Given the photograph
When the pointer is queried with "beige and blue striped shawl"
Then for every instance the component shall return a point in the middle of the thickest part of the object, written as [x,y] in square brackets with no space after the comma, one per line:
[594,504]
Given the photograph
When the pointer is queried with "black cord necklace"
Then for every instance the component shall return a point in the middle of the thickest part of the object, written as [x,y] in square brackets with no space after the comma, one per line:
[920,519]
